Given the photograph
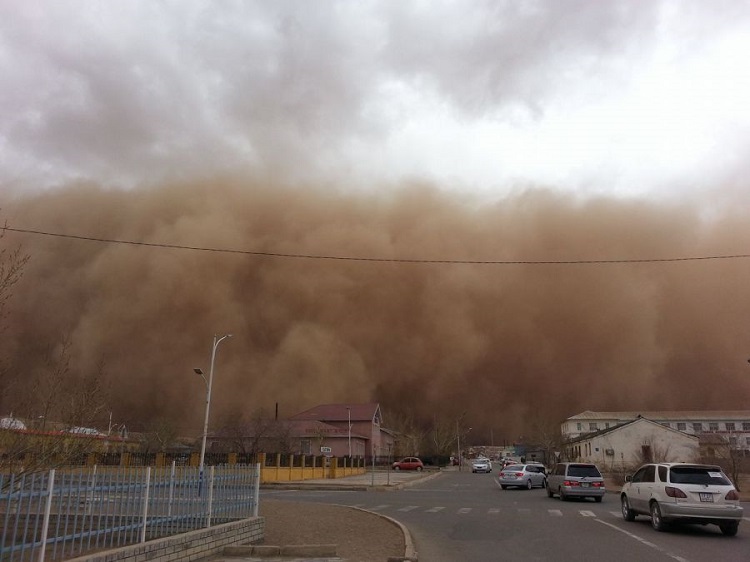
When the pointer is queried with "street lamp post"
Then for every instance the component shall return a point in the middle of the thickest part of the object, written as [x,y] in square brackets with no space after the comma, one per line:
[209,385]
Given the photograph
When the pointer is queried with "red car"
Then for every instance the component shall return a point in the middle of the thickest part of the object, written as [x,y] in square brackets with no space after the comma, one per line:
[408,463]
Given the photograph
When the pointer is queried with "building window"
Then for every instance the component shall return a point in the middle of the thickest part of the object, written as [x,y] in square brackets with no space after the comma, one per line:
[745,426]
[747,441]
[697,427]
[730,426]
[733,442]
[681,426]
[306,446]
[713,426]
[593,426]
[578,426]
[606,425]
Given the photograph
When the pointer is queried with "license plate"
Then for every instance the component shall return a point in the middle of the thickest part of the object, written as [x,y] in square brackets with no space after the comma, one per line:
[706,497]
[584,484]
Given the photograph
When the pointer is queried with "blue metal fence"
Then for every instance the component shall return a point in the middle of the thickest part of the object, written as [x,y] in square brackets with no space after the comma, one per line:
[63,514]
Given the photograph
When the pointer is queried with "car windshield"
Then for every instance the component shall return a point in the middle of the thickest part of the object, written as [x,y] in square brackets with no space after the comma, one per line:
[698,475]
[583,470]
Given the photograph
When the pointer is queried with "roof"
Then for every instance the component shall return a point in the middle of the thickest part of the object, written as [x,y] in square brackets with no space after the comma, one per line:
[341,412]
[594,434]
[664,415]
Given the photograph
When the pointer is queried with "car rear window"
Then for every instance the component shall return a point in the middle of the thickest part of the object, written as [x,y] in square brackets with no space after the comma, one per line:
[697,475]
[583,470]
[516,467]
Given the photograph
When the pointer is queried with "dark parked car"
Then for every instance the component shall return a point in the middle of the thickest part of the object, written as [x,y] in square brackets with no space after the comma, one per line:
[408,463]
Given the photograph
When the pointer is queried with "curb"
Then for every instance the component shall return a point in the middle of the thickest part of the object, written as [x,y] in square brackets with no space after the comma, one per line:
[410,552]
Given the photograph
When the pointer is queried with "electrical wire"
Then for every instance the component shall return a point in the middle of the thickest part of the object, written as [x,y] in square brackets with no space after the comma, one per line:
[370,259]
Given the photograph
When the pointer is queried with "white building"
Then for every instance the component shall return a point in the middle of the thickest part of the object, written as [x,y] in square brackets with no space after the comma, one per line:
[733,424]
[631,443]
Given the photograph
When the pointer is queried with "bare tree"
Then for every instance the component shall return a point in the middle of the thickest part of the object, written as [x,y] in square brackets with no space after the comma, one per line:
[12,265]
[651,451]
[159,436]
[725,452]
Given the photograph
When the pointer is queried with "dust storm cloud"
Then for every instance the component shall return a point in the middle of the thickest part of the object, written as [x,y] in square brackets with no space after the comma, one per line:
[508,344]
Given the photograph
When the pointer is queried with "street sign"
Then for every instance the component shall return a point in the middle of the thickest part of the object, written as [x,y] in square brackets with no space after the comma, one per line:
[325,449]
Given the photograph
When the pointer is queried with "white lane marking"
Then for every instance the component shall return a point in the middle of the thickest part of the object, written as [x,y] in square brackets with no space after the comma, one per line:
[379,507]
[409,508]
[464,510]
[643,541]
[586,513]
[555,512]
[435,509]
[617,514]
[493,510]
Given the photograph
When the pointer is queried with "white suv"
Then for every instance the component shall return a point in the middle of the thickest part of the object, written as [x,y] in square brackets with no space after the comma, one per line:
[681,492]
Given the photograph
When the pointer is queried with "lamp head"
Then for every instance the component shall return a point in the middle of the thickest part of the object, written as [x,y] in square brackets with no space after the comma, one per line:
[198,371]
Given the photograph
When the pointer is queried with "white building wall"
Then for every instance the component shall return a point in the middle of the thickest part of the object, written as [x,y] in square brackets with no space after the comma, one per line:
[622,447]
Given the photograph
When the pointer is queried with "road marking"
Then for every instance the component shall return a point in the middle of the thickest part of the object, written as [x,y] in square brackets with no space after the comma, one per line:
[586,513]
[643,541]
[435,509]
[379,507]
[409,508]
[555,512]
[464,510]
[493,510]
[616,514]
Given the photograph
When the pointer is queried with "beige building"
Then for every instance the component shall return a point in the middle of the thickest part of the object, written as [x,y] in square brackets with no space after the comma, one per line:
[631,443]
[734,425]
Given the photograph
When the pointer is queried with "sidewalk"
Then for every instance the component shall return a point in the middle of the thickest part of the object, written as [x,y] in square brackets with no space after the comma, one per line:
[362,538]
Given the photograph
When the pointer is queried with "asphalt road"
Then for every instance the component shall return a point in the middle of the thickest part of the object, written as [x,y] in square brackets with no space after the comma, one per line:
[465,516]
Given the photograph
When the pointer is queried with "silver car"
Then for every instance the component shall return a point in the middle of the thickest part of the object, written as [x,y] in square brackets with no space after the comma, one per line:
[682,493]
[576,480]
[522,476]
[481,465]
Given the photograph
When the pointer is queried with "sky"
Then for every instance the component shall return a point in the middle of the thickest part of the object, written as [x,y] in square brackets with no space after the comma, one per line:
[511,211]
[626,97]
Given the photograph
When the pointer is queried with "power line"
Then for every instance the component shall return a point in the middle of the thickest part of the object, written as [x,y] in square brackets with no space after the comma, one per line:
[366,259]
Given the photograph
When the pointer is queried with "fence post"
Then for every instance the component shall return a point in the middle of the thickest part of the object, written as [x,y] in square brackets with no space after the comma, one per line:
[256,490]
[210,495]
[145,504]
[171,487]
[47,510]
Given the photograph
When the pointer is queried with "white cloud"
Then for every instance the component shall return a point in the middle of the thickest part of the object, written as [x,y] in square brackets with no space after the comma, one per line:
[583,94]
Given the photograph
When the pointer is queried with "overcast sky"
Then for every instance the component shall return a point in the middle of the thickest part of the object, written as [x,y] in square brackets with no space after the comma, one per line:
[591,96]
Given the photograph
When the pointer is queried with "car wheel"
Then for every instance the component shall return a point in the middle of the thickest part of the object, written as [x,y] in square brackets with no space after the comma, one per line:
[396,467]
[419,469]
[562,495]
[550,493]
[528,484]
[627,513]
[729,528]
[656,519]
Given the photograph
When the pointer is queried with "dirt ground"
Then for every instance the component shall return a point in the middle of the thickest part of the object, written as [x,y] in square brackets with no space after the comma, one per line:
[359,536]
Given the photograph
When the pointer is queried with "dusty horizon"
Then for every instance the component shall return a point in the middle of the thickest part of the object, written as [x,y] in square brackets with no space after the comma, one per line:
[509,345]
